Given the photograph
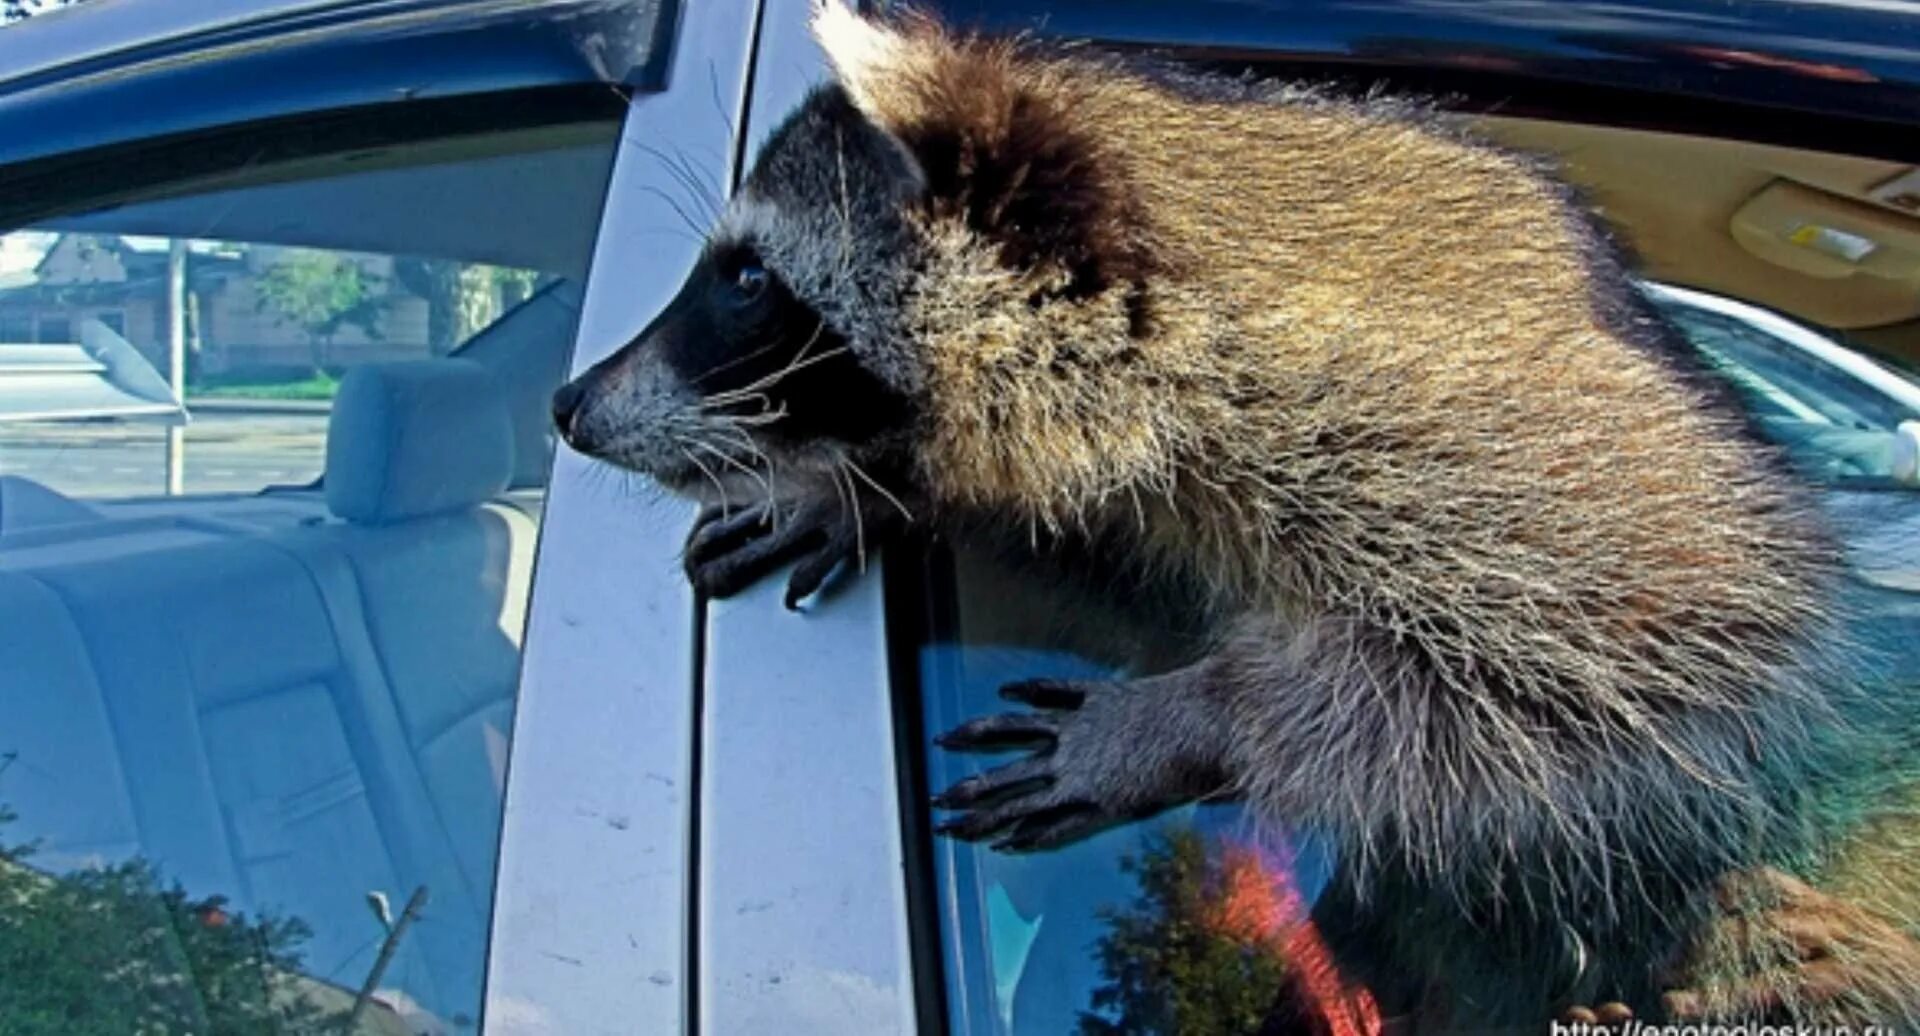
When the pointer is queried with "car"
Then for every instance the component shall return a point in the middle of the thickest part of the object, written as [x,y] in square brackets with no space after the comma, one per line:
[391,702]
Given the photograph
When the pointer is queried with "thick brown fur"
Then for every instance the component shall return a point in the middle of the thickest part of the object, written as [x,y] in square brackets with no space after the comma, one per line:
[1388,392]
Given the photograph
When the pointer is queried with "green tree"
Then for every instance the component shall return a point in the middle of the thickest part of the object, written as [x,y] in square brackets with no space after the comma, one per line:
[111,951]
[462,298]
[1174,960]
[323,293]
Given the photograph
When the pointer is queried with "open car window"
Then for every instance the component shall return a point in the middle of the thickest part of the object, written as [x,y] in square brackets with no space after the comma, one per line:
[1199,919]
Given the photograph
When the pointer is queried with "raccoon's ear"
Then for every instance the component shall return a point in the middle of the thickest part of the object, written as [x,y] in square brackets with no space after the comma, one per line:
[1004,139]
[863,53]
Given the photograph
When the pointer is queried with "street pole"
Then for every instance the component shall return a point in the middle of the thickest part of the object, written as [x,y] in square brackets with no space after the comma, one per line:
[177,363]
[415,903]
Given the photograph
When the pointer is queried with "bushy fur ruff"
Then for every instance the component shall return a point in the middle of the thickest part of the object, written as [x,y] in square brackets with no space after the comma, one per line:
[1522,616]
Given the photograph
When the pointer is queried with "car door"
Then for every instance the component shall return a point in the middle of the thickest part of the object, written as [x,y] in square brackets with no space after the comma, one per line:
[716,815]
[703,820]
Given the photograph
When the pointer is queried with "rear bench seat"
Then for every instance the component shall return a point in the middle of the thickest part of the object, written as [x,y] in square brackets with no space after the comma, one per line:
[291,718]
[434,576]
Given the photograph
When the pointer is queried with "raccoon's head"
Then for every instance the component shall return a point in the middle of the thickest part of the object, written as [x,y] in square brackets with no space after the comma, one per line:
[801,337]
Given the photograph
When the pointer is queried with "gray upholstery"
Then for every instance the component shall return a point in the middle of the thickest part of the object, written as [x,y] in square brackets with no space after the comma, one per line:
[527,350]
[436,602]
[224,688]
[24,503]
[290,713]
[63,774]
[416,438]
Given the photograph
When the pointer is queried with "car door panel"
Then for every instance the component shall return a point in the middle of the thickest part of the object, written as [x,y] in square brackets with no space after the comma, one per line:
[591,921]
[802,892]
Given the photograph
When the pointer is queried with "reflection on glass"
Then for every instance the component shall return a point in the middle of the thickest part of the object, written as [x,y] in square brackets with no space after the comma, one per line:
[1219,942]
[267,331]
[178,963]
[1194,922]
[253,736]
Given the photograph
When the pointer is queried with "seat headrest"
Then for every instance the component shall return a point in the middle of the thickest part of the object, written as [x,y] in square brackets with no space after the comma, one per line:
[416,438]
[24,502]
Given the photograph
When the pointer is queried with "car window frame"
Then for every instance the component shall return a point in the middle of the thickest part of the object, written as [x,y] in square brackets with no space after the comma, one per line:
[70,81]
[842,920]
[726,702]
[1656,66]
[593,928]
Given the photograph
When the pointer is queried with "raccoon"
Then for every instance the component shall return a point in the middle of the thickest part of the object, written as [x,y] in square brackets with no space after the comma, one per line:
[1504,599]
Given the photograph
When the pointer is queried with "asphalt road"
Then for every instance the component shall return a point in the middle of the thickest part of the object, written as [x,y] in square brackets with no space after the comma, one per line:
[226,452]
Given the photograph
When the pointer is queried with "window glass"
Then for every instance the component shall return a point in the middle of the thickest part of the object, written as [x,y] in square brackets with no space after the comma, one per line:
[272,460]
[57,328]
[266,333]
[1170,925]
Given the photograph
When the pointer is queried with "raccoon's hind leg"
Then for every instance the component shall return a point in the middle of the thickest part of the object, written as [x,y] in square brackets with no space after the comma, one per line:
[1103,753]
[730,549]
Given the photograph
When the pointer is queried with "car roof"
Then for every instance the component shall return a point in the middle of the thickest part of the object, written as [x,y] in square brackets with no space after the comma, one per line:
[105,33]
[112,71]
[99,30]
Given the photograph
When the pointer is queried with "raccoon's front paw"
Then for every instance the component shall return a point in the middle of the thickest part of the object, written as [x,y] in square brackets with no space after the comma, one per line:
[1102,754]
[732,549]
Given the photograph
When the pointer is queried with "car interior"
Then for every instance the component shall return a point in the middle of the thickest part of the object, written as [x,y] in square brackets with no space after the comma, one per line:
[302,695]
[1832,240]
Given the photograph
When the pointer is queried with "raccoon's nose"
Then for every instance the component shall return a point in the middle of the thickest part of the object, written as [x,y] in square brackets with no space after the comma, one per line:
[566,407]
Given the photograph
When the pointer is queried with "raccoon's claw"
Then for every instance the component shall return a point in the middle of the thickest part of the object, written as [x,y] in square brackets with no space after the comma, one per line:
[1094,763]
[812,572]
[1017,829]
[730,550]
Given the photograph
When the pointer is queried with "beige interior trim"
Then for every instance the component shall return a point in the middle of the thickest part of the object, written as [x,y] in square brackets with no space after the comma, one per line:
[1674,199]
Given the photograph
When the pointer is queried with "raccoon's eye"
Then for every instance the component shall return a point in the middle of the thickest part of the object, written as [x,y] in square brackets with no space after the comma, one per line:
[750,281]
